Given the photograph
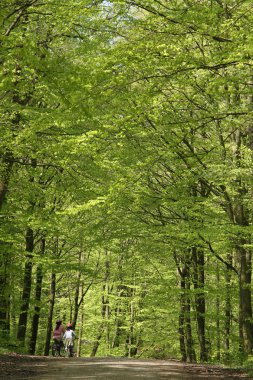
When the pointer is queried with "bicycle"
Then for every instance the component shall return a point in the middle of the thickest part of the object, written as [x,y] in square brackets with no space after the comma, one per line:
[69,348]
[56,348]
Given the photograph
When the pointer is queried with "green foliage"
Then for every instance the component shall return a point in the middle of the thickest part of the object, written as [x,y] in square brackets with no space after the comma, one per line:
[248,366]
[126,144]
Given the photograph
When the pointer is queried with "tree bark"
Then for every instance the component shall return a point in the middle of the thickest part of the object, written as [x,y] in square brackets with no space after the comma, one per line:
[132,346]
[4,293]
[116,337]
[245,303]
[97,341]
[80,332]
[77,291]
[228,310]
[38,291]
[6,167]
[190,351]
[244,255]
[101,326]
[181,320]
[22,324]
[200,305]
[218,311]
[185,330]
[50,314]
[104,307]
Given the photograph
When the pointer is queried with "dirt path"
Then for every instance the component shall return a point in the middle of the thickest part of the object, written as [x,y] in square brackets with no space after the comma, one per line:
[44,368]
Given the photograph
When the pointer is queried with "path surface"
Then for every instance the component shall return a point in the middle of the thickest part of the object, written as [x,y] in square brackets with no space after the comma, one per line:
[122,369]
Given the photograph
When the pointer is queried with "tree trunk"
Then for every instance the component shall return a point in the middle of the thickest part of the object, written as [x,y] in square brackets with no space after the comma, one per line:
[80,332]
[116,338]
[22,324]
[228,310]
[97,341]
[77,291]
[218,308]
[6,167]
[245,313]
[50,314]
[104,308]
[185,330]
[101,327]
[36,316]
[118,310]
[190,352]
[132,347]
[244,255]
[7,163]
[181,320]
[4,293]
[199,284]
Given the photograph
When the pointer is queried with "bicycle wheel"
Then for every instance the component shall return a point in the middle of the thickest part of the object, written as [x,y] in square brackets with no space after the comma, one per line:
[56,350]
[69,351]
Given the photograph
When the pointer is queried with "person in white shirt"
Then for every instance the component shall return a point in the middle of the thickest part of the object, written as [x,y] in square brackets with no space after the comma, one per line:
[69,337]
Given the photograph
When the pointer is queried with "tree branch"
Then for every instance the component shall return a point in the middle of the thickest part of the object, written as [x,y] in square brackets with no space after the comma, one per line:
[229,266]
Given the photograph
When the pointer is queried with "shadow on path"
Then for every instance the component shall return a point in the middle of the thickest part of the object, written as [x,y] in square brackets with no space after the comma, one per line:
[126,369]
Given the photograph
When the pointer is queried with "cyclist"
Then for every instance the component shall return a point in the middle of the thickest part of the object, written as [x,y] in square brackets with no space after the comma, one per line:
[58,334]
[68,338]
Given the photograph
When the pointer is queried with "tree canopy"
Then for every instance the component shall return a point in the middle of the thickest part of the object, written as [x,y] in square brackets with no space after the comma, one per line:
[126,177]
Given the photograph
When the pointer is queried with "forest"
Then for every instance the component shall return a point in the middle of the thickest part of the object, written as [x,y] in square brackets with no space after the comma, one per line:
[126,177]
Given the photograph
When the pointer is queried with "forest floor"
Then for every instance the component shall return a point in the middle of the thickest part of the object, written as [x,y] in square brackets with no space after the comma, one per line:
[15,366]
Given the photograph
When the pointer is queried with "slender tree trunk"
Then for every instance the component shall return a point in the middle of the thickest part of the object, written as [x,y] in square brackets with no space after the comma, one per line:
[116,338]
[218,311]
[38,290]
[7,163]
[80,332]
[244,255]
[191,355]
[97,341]
[5,173]
[77,291]
[199,284]
[245,314]
[50,314]
[104,308]
[238,217]
[181,320]
[22,324]
[132,347]
[102,325]
[135,335]
[228,310]
[4,293]
[6,168]
[3,190]
[118,310]
[185,330]
[107,317]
